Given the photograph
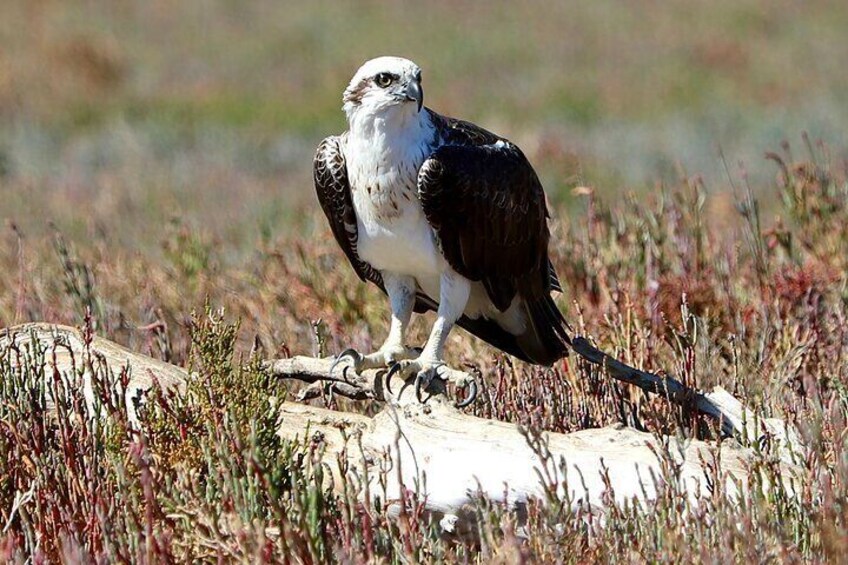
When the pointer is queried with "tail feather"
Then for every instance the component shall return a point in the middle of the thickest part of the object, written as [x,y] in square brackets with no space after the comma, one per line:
[554,279]
[546,339]
[490,332]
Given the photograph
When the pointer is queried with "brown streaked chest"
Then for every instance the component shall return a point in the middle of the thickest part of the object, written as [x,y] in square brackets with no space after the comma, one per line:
[384,181]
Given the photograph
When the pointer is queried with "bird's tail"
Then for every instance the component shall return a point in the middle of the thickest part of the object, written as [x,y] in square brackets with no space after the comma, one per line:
[547,337]
[544,341]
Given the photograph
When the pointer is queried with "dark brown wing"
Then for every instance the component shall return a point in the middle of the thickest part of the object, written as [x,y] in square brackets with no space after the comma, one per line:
[459,132]
[333,189]
[487,207]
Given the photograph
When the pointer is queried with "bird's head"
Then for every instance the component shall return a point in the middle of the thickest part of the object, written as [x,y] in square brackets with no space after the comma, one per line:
[384,84]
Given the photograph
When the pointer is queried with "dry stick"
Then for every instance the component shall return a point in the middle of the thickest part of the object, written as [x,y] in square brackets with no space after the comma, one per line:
[669,387]
[358,387]
[316,371]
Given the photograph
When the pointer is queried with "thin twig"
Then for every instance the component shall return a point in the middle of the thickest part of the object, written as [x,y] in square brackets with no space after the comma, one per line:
[21,498]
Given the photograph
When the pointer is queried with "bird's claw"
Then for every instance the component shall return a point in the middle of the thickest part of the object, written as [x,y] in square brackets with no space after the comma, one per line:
[393,370]
[472,394]
[423,380]
[349,353]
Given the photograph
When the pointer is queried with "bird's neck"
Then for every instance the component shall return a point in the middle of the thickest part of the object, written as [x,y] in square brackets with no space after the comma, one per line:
[389,128]
[383,155]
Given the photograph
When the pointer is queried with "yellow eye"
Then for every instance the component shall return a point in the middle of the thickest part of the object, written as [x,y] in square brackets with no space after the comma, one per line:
[383,80]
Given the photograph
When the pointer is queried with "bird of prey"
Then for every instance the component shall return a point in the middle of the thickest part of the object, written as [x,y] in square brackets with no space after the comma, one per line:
[441,215]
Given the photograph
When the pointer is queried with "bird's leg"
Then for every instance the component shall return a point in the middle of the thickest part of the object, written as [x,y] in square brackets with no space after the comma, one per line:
[454,291]
[401,291]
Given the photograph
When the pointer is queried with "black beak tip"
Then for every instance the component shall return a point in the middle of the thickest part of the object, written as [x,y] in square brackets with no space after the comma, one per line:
[414,92]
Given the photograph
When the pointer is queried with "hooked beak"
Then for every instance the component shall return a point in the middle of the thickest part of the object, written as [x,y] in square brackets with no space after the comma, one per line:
[413,92]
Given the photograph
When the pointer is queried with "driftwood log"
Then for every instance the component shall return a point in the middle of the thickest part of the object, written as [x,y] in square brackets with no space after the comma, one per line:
[446,457]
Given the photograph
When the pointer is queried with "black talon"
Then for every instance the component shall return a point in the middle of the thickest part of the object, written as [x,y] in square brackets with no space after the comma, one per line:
[393,370]
[472,395]
[418,380]
[421,385]
[403,388]
[349,352]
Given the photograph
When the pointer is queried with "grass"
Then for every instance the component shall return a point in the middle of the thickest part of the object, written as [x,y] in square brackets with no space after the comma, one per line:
[154,163]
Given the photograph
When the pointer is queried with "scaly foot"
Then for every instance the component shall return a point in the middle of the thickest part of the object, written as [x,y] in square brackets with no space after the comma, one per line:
[383,357]
[424,371]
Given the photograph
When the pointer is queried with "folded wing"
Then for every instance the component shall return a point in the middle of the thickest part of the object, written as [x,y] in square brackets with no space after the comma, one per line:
[487,208]
[333,189]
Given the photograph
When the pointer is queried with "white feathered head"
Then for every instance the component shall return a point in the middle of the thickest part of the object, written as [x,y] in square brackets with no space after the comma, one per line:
[382,84]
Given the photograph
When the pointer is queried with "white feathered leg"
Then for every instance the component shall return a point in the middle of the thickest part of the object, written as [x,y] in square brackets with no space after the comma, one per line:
[401,291]
[454,291]
[453,296]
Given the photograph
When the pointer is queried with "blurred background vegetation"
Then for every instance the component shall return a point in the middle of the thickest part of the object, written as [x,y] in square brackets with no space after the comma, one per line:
[120,117]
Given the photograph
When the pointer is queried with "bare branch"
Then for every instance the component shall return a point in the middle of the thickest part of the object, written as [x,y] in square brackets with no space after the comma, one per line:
[668,387]
[367,386]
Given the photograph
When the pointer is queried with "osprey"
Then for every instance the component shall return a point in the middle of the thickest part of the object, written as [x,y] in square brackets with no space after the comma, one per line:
[441,215]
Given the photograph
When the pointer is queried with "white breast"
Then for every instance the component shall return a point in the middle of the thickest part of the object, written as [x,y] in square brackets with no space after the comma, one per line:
[393,233]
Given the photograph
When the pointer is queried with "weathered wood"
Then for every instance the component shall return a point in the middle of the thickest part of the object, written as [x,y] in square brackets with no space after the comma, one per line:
[67,346]
[317,372]
[446,457]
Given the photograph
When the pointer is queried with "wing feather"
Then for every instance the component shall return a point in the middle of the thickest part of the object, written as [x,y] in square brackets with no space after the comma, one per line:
[487,208]
[333,189]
